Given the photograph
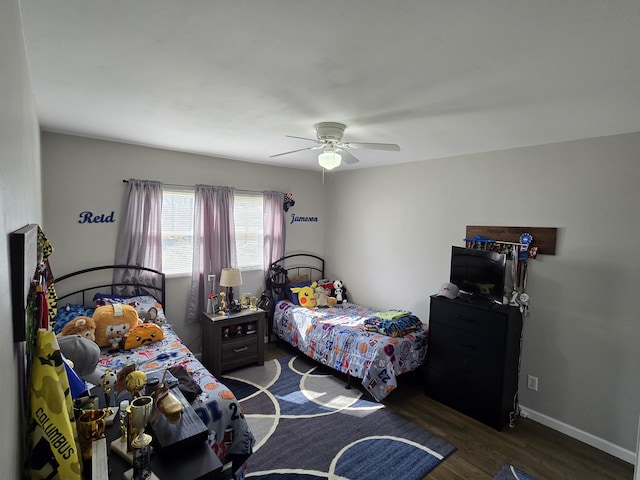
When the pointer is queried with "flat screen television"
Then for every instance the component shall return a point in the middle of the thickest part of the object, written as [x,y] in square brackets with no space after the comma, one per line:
[478,273]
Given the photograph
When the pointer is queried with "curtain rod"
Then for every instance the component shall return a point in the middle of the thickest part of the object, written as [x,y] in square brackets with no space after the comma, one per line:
[193,186]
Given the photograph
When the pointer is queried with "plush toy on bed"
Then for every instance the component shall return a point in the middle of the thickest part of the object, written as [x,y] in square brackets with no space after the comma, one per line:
[339,291]
[112,322]
[306,296]
[83,326]
[322,296]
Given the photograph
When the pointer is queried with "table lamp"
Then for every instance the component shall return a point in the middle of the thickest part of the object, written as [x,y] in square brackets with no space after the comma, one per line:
[230,277]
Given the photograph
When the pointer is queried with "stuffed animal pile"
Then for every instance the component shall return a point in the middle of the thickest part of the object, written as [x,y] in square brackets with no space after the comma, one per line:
[116,326]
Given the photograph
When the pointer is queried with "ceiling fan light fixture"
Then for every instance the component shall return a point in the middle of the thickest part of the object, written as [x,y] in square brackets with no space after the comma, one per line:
[329,159]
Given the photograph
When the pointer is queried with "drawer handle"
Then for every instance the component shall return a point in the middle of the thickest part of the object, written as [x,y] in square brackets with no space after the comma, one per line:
[238,350]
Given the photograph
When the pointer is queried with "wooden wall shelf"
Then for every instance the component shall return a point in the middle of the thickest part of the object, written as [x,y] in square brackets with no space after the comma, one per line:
[543,237]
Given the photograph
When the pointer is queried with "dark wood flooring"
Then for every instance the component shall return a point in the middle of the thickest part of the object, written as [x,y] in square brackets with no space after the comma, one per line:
[538,450]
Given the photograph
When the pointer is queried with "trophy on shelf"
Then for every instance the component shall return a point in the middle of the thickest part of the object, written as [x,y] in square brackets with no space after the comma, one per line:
[134,382]
[108,381]
[140,441]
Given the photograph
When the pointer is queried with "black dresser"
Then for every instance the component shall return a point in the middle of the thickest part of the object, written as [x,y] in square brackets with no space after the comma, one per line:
[473,358]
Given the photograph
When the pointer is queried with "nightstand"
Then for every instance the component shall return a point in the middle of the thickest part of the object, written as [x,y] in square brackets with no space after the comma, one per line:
[233,341]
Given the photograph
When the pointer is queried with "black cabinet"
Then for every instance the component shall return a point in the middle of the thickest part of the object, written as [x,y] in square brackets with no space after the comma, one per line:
[473,358]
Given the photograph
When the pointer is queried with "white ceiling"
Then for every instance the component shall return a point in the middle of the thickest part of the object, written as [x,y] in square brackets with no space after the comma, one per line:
[231,78]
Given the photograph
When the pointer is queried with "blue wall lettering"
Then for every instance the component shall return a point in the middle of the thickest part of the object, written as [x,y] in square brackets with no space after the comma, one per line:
[89,217]
[295,218]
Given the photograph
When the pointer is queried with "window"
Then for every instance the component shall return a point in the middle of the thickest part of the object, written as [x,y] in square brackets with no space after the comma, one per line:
[248,215]
[177,230]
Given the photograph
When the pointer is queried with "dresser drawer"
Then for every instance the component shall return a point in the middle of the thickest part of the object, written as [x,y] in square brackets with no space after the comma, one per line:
[464,371]
[446,339]
[474,400]
[484,322]
[239,349]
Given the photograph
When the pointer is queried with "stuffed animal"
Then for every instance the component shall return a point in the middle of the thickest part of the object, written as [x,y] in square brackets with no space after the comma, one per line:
[306,296]
[339,291]
[83,326]
[143,334]
[112,322]
[322,296]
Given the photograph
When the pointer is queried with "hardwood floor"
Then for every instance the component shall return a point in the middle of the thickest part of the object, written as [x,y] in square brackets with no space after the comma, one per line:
[538,450]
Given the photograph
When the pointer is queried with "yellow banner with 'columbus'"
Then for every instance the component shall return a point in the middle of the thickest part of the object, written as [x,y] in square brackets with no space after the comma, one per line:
[53,447]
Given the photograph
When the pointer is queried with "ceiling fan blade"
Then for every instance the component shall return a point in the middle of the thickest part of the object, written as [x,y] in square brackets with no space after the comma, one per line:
[373,146]
[303,138]
[347,157]
[293,151]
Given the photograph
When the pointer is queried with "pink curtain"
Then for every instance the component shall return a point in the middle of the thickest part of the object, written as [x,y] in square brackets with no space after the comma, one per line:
[214,242]
[140,234]
[273,227]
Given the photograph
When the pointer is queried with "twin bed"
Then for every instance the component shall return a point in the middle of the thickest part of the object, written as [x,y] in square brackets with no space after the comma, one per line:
[347,337]
[80,292]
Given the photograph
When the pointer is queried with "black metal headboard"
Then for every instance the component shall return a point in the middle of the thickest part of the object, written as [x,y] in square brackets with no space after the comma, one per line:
[297,264]
[85,281]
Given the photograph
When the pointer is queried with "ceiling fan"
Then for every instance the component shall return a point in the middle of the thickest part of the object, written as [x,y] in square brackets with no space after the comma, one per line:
[329,140]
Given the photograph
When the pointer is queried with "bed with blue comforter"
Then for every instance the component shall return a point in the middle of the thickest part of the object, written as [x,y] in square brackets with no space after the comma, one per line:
[355,340]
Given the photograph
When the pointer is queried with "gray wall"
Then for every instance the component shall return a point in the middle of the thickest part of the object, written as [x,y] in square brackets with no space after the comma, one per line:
[20,204]
[581,338]
[85,174]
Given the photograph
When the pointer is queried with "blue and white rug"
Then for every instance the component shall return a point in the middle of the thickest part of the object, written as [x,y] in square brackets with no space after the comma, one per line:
[308,426]
[509,472]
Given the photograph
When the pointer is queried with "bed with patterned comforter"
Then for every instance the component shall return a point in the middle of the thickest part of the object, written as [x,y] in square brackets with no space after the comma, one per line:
[344,338]
[229,435]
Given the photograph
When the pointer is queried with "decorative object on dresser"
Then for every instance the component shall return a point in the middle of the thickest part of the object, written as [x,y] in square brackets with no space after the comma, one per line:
[230,277]
[232,341]
[473,358]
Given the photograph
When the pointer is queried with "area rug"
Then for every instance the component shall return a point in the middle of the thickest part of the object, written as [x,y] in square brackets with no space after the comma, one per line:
[509,472]
[308,426]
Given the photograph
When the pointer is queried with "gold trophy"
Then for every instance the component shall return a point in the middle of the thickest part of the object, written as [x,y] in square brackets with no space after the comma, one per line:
[140,441]
[134,383]
[108,381]
[167,403]
[90,427]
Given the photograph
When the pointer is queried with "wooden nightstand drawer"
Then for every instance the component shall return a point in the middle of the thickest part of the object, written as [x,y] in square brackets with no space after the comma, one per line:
[244,348]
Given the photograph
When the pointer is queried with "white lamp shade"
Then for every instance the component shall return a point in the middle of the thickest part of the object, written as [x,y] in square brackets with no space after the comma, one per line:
[329,159]
[230,277]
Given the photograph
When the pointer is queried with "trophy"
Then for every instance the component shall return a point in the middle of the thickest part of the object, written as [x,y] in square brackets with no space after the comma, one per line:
[140,441]
[90,427]
[108,381]
[167,403]
[134,382]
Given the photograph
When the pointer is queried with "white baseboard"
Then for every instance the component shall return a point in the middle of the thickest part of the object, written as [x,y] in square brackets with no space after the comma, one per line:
[597,442]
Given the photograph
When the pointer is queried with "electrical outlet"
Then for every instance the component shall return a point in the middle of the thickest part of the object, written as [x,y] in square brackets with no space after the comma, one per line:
[211,278]
[532,382]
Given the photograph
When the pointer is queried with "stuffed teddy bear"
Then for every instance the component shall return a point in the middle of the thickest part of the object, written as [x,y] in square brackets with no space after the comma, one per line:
[339,291]
[83,326]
